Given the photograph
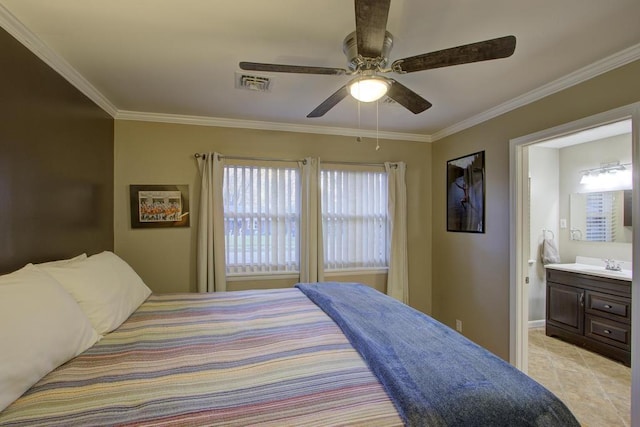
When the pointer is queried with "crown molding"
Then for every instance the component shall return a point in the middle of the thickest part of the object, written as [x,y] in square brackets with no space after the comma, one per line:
[32,42]
[602,66]
[274,126]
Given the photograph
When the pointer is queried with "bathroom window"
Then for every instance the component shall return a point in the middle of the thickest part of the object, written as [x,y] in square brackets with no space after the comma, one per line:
[602,217]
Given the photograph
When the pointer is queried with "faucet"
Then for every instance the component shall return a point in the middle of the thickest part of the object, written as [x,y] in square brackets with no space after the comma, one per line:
[611,264]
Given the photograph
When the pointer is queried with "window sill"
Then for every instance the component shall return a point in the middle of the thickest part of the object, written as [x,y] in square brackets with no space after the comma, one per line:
[255,277]
[356,272]
[296,276]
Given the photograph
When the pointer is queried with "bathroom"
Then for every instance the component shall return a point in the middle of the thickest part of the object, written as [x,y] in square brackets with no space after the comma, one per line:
[556,170]
[568,175]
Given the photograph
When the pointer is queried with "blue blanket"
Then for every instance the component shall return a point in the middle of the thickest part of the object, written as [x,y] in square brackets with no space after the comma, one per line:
[434,375]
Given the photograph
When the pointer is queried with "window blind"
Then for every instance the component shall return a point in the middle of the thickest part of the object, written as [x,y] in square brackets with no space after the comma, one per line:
[601,217]
[354,219]
[261,216]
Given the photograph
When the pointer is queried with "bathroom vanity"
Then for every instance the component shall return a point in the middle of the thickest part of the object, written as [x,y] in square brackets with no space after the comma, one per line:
[590,306]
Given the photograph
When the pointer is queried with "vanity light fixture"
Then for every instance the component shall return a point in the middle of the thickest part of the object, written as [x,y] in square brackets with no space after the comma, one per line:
[611,175]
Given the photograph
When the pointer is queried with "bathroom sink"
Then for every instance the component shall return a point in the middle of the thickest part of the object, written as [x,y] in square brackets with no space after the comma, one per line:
[593,270]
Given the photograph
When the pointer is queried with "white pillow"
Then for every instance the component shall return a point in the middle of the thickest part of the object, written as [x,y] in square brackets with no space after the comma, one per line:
[62,261]
[41,327]
[106,288]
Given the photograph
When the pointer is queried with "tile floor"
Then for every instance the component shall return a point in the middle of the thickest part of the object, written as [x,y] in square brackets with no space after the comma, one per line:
[596,389]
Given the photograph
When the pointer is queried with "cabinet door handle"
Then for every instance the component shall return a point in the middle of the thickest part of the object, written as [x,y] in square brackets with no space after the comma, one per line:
[607,306]
[582,299]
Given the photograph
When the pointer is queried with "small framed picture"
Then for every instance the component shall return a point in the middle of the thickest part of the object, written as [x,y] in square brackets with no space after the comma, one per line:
[465,193]
[159,206]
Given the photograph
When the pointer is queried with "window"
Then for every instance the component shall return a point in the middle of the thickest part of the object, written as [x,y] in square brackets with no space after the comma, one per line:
[601,217]
[354,219]
[261,219]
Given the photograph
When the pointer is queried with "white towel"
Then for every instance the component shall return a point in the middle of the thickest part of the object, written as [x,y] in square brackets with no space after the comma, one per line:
[549,252]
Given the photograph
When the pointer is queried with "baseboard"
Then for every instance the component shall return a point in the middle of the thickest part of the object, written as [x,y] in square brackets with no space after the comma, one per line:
[536,323]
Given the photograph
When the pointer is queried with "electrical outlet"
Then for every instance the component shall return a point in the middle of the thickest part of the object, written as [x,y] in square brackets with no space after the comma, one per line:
[458,325]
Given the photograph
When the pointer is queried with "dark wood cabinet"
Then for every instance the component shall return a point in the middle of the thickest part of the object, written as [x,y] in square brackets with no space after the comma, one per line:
[590,311]
[565,308]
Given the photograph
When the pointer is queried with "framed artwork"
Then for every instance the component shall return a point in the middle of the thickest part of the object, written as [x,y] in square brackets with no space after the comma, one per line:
[159,206]
[465,193]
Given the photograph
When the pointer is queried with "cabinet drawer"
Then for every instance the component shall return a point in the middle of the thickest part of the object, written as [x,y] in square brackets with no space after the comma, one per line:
[610,306]
[607,331]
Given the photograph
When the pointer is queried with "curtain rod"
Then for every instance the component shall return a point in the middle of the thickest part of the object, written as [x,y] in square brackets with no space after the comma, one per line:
[355,163]
[267,159]
[263,159]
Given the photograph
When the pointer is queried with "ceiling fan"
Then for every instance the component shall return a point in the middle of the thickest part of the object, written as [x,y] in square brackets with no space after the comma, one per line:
[367,50]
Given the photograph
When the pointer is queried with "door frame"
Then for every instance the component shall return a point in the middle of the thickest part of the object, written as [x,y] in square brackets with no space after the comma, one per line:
[518,177]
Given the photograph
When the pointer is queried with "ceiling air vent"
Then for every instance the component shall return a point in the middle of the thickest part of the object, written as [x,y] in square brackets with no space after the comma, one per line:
[253,83]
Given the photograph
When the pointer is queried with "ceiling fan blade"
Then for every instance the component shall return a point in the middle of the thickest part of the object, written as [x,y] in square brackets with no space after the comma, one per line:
[330,102]
[301,69]
[371,26]
[407,98]
[481,51]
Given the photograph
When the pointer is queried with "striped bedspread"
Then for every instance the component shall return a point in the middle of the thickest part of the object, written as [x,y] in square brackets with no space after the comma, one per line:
[236,358]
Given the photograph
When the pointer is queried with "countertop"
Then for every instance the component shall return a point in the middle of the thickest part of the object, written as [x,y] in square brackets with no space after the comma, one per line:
[593,270]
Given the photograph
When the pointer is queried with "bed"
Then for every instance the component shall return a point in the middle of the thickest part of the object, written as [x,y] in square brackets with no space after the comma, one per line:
[314,355]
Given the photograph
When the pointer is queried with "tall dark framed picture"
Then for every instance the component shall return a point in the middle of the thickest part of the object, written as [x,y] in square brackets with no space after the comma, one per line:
[159,206]
[465,193]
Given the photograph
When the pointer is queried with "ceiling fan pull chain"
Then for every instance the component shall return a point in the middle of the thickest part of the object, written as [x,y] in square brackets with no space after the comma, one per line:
[359,138]
[377,139]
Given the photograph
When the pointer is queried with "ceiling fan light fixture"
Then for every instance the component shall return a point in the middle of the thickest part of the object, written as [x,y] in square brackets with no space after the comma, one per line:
[369,88]
[367,50]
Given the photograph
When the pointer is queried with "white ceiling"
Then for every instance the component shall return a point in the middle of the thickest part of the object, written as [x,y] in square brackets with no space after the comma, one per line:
[176,60]
[589,135]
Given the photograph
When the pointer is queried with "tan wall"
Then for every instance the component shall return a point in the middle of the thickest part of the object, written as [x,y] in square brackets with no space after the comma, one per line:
[471,271]
[161,153]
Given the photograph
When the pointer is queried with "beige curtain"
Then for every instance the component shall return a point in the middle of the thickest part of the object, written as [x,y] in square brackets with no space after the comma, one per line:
[311,248]
[398,276]
[211,276]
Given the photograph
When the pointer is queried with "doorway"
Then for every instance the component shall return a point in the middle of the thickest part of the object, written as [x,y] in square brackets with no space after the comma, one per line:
[520,238]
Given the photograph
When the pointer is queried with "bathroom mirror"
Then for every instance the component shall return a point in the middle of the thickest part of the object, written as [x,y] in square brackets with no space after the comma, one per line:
[603,216]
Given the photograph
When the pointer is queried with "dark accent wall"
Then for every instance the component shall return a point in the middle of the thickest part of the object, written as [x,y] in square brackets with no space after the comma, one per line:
[56,164]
